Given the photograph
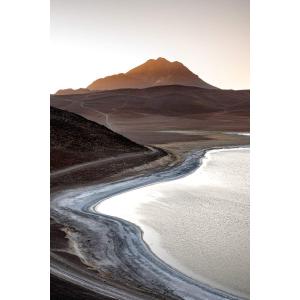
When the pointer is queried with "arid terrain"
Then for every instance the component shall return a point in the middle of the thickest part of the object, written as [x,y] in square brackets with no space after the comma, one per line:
[88,151]
[83,152]
[150,124]
[162,114]
[76,277]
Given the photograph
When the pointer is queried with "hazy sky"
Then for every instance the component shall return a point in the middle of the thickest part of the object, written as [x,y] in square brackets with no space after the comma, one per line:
[95,38]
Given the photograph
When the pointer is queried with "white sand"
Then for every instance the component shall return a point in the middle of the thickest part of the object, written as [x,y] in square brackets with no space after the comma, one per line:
[198,224]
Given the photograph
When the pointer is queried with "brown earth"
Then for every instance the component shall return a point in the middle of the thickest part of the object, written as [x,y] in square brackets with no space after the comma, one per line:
[155,115]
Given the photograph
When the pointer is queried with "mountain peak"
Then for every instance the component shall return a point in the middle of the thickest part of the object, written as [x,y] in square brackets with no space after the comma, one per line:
[159,67]
[159,59]
[162,59]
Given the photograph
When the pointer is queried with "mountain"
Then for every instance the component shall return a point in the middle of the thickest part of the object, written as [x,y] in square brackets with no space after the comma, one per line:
[76,140]
[154,72]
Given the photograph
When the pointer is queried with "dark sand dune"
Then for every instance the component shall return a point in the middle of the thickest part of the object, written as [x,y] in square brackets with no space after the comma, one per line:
[144,115]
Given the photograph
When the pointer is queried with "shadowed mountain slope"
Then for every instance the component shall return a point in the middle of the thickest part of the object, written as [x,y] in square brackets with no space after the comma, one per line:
[76,140]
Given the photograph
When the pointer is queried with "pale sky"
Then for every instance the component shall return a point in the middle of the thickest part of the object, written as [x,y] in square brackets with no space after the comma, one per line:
[96,38]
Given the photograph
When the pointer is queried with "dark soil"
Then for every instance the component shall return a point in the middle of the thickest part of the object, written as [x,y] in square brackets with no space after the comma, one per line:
[76,140]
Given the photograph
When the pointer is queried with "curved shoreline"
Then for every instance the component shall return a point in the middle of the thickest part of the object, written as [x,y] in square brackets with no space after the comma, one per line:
[180,222]
[129,256]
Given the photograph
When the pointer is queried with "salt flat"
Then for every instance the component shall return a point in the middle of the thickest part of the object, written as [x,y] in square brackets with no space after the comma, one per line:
[198,224]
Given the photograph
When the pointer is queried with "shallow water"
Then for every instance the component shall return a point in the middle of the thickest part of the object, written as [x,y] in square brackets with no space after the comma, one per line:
[198,224]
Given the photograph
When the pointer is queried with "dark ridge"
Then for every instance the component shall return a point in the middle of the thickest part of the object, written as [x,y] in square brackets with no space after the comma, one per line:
[76,140]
